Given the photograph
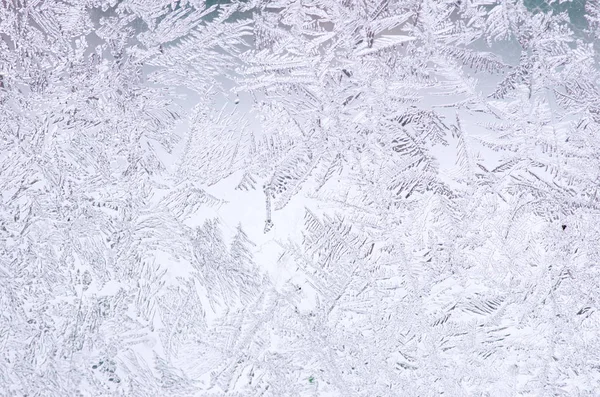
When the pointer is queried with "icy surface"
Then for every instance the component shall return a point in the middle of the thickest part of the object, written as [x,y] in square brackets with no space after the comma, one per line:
[299,198]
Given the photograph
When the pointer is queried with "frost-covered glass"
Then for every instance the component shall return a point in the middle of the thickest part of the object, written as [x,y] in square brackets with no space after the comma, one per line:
[299,198]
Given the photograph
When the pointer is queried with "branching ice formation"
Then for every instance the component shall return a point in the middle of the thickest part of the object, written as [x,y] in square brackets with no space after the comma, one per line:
[443,157]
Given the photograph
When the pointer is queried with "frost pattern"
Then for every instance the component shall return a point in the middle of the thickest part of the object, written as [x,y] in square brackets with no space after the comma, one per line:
[447,153]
